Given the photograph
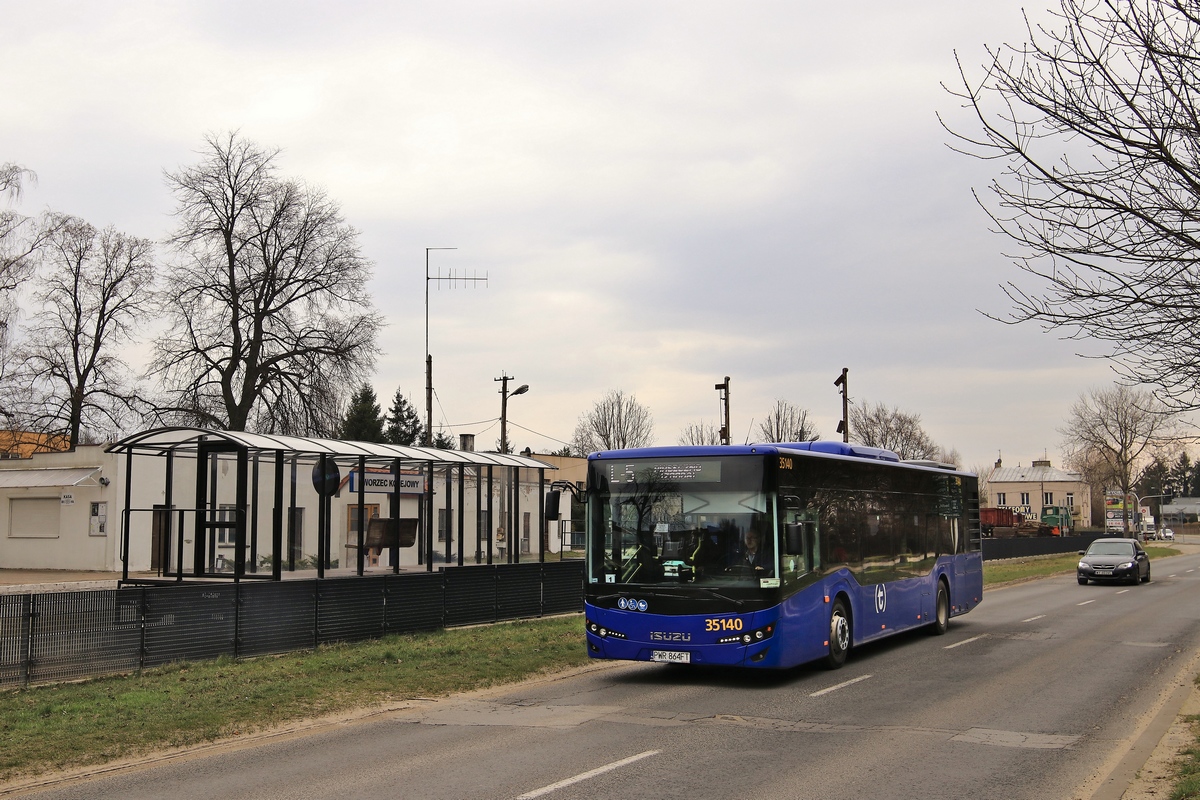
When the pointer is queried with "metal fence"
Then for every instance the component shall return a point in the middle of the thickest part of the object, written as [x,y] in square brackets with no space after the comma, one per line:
[1025,546]
[68,635]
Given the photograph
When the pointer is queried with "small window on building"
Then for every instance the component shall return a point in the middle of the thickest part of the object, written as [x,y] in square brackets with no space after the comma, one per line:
[1024,498]
[1047,498]
[1001,500]
[1070,499]
[226,534]
[443,523]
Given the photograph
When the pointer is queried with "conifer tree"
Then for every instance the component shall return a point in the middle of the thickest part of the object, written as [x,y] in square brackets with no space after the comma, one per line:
[364,419]
[403,422]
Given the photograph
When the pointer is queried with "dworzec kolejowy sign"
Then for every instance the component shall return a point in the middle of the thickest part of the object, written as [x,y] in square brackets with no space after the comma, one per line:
[384,482]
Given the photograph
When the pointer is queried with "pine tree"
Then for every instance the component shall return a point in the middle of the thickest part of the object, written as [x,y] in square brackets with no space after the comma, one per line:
[403,422]
[1181,475]
[444,441]
[364,418]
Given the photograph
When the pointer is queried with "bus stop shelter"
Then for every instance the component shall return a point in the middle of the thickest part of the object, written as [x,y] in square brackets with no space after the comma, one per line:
[244,488]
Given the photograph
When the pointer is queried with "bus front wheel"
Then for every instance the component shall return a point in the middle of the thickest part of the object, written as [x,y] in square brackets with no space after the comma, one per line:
[839,635]
[941,611]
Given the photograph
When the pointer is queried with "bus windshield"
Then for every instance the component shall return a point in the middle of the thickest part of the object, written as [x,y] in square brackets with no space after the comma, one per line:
[701,521]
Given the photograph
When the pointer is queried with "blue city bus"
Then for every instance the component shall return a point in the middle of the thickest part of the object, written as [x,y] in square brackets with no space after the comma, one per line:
[773,555]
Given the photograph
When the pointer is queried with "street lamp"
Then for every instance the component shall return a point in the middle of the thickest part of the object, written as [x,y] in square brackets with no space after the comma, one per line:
[843,384]
[504,395]
[1138,508]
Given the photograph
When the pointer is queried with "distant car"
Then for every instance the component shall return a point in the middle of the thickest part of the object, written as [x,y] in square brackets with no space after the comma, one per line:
[1114,560]
[1168,534]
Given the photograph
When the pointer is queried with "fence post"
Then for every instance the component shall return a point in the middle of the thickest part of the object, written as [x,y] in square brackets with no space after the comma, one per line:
[142,626]
[237,619]
[316,587]
[27,645]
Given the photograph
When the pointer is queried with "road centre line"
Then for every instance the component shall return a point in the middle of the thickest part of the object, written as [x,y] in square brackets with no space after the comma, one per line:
[966,641]
[843,685]
[1085,602]
[1034,619]
[1123,591]
[583,776]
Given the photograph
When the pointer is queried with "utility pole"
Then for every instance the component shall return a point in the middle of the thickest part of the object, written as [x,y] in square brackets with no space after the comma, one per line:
[725,427]
[452,279]
[504,395]
[843,383]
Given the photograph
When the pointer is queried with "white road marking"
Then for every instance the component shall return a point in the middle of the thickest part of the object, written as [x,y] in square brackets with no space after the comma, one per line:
[1123,591]
[583,776]
[1085,602]
[850,682]
[964,641]
[1034,619]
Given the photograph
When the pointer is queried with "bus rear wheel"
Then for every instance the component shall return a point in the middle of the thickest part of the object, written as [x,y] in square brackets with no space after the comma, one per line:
[941,611]
[839,635]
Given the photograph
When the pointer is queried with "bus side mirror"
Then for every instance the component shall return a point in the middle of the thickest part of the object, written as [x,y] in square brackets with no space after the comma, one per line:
[794,535]
[552,499]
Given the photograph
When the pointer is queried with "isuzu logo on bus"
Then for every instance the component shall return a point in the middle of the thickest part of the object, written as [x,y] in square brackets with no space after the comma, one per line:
[669,636]
[629,604]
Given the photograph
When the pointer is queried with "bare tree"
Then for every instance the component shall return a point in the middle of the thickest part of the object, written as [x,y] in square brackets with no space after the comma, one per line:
[700,433]
[616,421]
[1095,124]
[20,239]
[787,423]
[94,288]
[892,429]
[951,456]
[1095,472]
[1110,432]
[270,321]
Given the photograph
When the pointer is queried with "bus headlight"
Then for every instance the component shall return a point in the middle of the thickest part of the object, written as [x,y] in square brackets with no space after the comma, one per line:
[602,631]
[750,637]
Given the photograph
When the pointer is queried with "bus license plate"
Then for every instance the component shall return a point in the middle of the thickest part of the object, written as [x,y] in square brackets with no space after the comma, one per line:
[671,656]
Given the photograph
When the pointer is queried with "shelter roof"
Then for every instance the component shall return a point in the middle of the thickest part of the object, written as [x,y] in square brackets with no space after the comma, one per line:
[187,440]
[45,477]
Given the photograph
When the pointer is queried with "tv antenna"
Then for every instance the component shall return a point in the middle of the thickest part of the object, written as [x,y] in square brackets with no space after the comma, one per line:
[452,280]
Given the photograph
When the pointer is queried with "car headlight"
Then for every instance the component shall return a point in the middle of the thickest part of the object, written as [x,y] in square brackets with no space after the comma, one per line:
[1083,565]
[1126,565]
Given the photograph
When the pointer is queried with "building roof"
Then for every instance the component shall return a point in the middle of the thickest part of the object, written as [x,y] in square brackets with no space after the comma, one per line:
[1182,505]
[187,440]
[1031,474]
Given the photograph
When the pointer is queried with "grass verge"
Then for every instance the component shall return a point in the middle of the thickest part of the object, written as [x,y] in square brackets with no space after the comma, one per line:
[1187,765]
[1016,569]
[53,727]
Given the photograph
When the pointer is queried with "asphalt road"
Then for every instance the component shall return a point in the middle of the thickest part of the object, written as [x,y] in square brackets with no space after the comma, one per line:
[1038,693]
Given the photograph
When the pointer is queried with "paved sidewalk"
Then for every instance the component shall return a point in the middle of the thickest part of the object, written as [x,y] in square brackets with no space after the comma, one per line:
[27,581]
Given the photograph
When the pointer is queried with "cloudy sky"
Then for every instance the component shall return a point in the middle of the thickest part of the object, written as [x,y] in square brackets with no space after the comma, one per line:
[659,193]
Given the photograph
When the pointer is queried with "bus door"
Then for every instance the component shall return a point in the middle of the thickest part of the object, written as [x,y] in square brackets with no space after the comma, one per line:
[801,550]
